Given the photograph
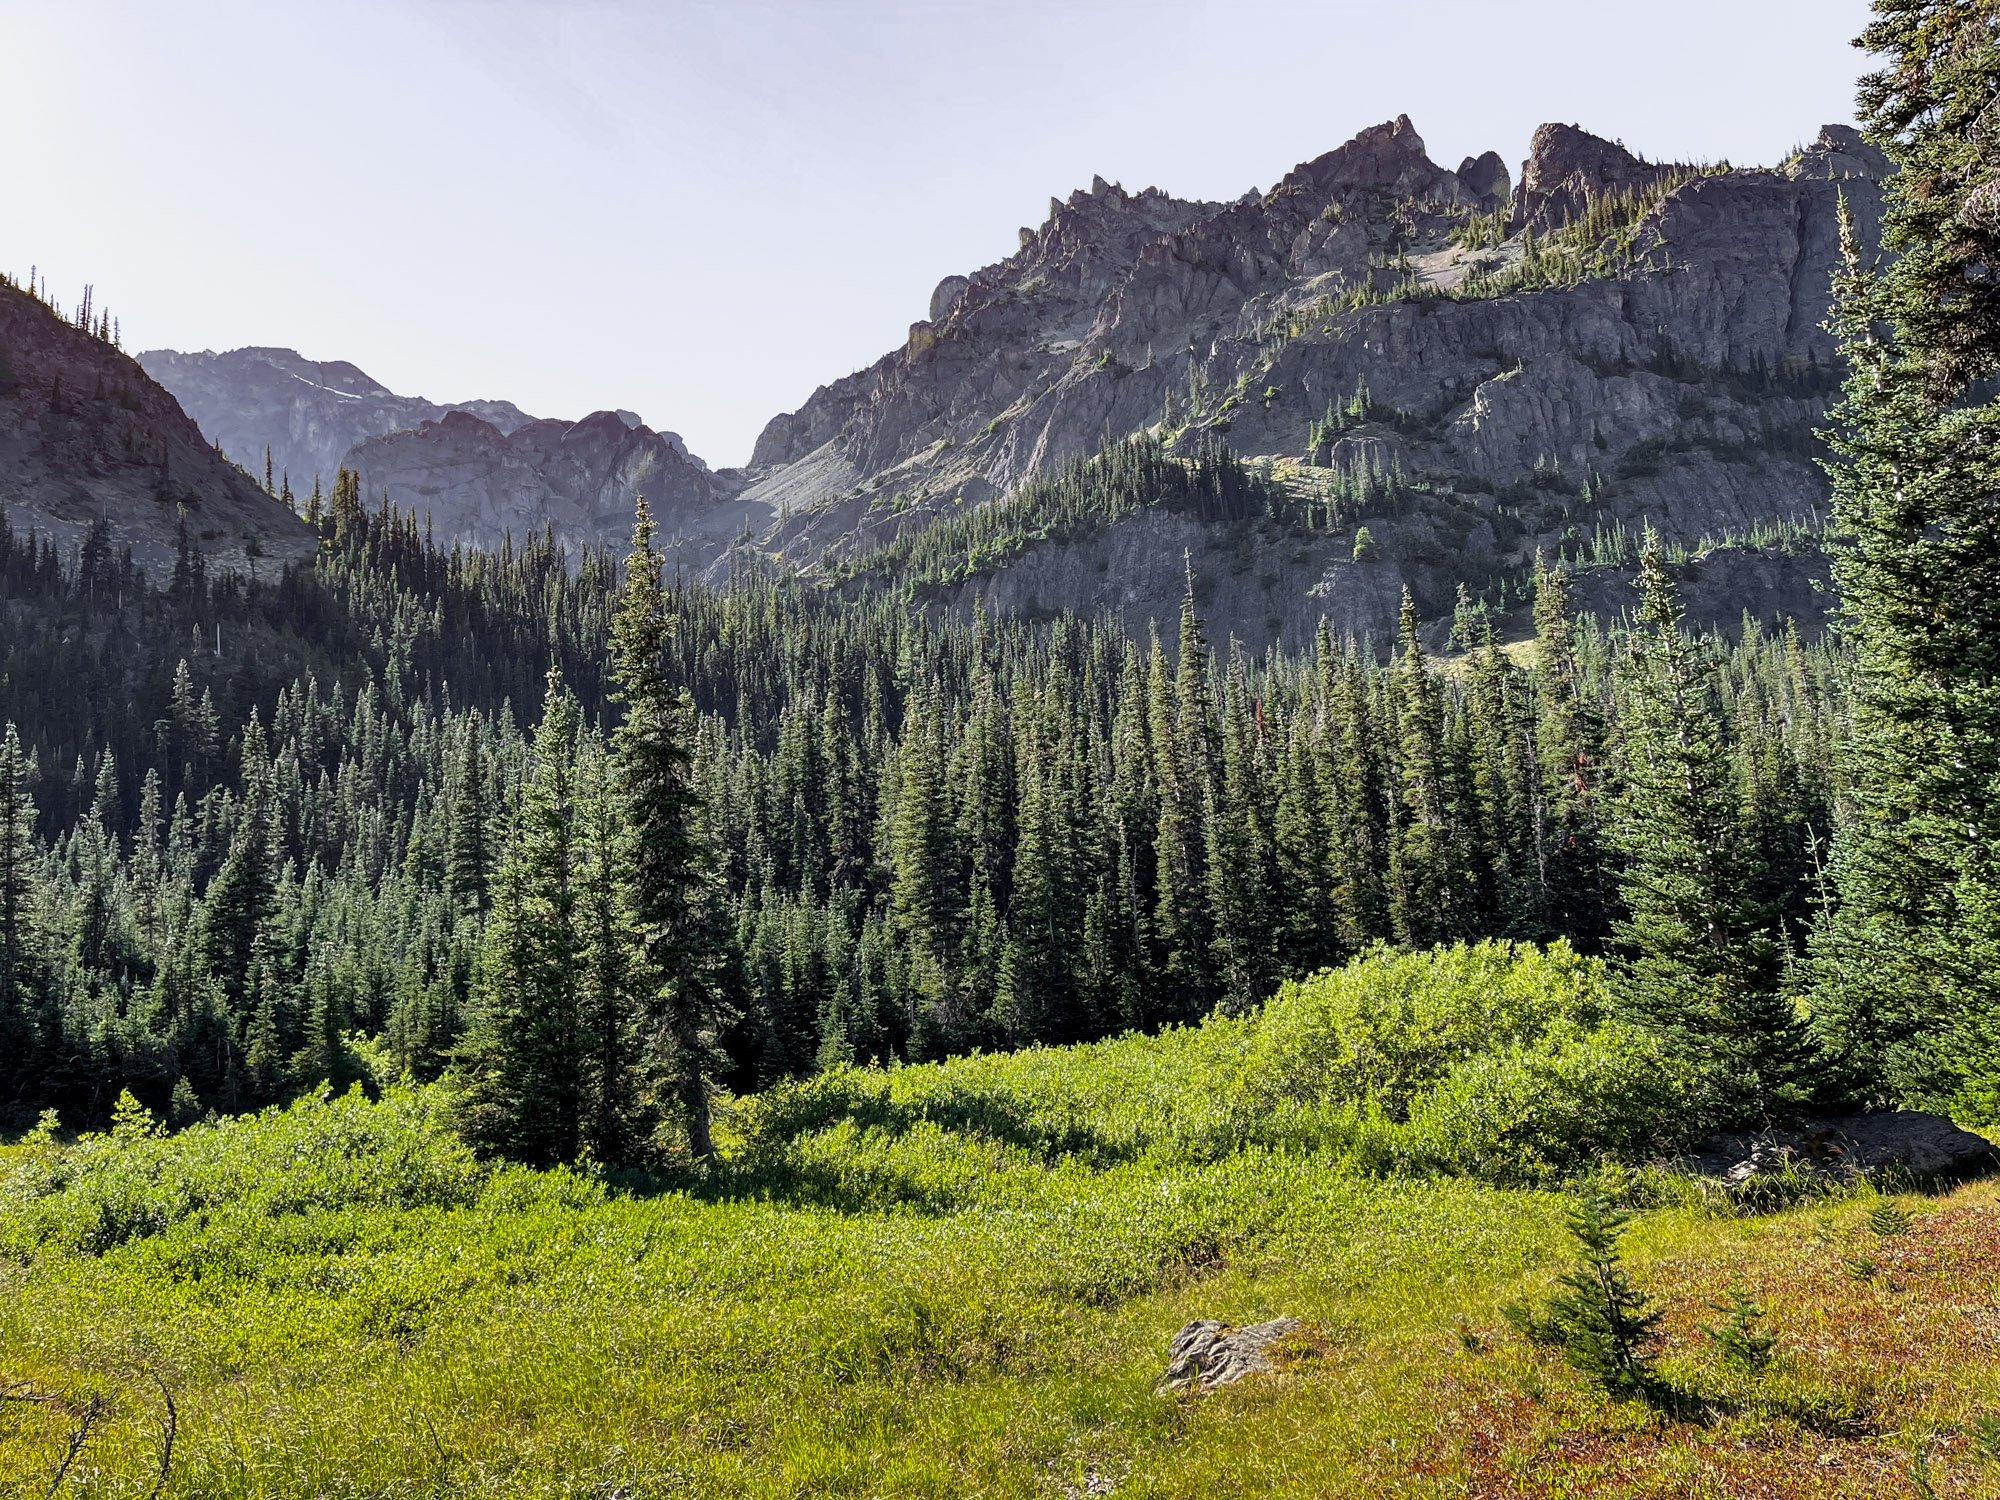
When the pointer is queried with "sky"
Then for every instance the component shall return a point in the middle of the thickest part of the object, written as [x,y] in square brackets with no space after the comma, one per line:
[703,211]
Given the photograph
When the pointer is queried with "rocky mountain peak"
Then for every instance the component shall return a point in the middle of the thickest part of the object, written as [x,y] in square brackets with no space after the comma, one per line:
[1485,177]
[1839,151]
[1365,318]
[1567,165]
[305,413]
[946,296]
[1389,156]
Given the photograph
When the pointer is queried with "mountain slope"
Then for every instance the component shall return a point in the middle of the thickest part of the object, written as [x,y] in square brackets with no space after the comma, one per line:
[86,435]
[1621,342]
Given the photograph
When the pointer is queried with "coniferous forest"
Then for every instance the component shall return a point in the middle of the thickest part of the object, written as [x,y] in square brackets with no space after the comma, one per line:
[366,819]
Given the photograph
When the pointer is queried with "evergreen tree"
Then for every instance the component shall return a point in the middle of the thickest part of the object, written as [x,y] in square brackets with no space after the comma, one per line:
[611,1121]
[1605,1325]
[528,1055]
[1184,737]
[1036,970]
[1241,854]
[1565,813]
[1701,966]
[1906,1000]
[1427,890]
[925,878]
[22,973]
[669,906]
[240,898]
[466,856]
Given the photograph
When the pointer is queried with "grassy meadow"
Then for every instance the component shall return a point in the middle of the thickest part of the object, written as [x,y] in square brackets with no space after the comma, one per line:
[961,1280]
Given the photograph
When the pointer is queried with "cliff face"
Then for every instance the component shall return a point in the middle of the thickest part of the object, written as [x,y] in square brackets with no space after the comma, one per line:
[86,435]
[479,483]
[306,413]
[1618,343]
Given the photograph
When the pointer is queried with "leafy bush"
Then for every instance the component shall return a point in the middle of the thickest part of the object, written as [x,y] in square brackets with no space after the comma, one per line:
[1551,1108]
[1493,1060]
[1392,1025]
[318,1155]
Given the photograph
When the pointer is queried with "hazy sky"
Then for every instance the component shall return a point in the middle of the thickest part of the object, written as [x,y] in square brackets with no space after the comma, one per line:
[703,211]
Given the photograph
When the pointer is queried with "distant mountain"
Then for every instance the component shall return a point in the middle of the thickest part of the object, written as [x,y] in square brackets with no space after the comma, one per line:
[479,483]
[305,413]
[1617,342]
[87,435]
[478,470]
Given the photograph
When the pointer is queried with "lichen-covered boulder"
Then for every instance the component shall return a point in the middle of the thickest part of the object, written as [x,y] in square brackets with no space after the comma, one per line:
[1206,1353]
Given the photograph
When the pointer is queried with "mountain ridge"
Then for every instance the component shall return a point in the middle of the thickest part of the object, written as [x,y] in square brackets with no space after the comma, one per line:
[1467,365]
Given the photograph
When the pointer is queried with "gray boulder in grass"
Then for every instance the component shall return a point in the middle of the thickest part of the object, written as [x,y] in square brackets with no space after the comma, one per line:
[1206,1354]
[1924,1145]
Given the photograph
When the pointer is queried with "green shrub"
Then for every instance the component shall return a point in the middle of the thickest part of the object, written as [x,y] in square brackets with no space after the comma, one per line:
[1391,1025]
[1552,1108]
[1492,1060]
[317,1155]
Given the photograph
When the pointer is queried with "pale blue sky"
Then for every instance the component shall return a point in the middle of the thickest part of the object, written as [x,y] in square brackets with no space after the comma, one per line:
[703,211]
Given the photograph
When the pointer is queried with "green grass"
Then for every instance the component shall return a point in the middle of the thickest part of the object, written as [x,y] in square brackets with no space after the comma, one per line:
[958,1280]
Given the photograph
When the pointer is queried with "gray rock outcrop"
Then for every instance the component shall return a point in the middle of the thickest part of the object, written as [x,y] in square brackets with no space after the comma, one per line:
[478,484]
[1924,1146]
[1486,175]
[1206,1354]
[1672,374]
[478,471]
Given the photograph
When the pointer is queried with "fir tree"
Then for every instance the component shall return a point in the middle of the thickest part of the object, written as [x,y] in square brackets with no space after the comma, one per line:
[1184,737]
[611,1121]
[527,1056]
[1906,999]
[467,855]
[1701,966]
[1427,889]
[22,973]
[1604,1324]
[1566,814]
[240,898]
[669,904]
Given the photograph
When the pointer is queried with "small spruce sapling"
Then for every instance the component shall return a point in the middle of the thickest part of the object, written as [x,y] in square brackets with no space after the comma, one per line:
[1889,1219]
[1740,1339]
[1604,1325]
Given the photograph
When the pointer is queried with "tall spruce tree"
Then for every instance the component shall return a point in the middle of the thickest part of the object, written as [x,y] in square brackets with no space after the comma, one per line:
[1187,766]
[240,898]
[1699,964]
[669,902]
[612,1125]
[1427,877]
[1566,812]
[527,1056]
[1907,1000]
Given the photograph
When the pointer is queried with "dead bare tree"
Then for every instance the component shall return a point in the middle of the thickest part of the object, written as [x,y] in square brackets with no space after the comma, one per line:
[168,1430]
